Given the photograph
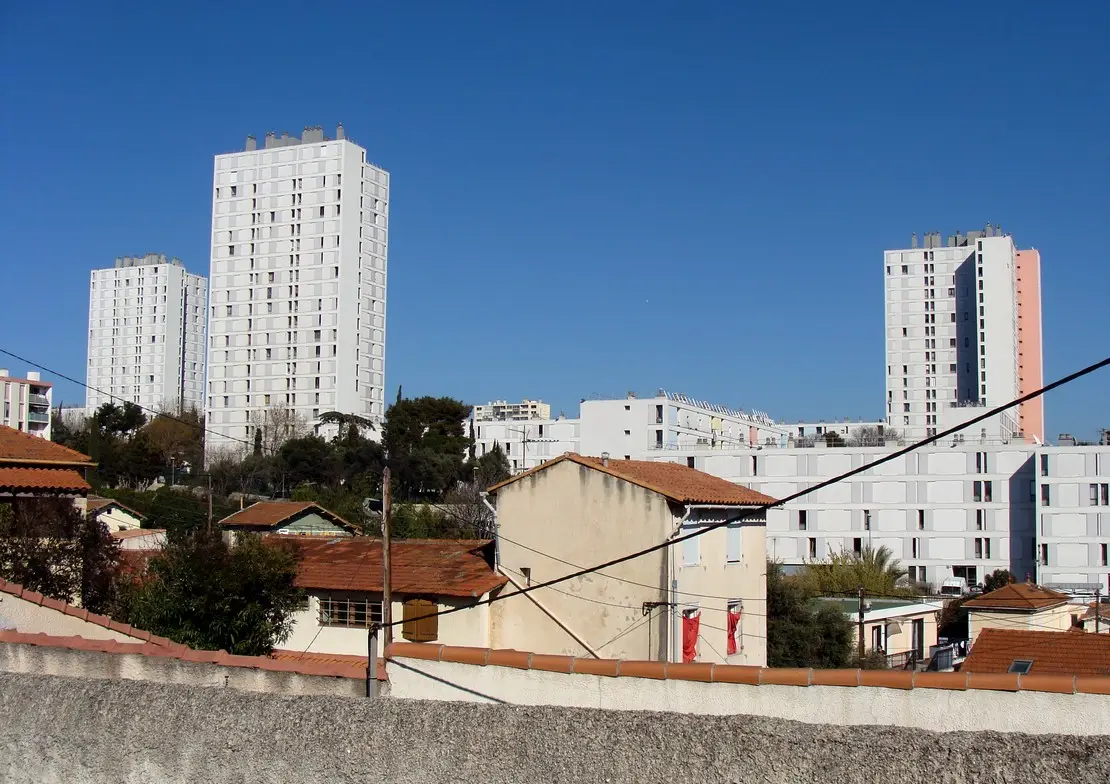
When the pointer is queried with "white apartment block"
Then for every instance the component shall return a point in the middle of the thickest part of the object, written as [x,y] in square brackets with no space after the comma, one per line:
[503,410]
[962,334]
[1073,517]
[526,443]
[26,403]
[298,305]
[952,511]
[147,319]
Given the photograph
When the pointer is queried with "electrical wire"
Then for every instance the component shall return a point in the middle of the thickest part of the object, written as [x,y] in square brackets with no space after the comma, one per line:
[762,508]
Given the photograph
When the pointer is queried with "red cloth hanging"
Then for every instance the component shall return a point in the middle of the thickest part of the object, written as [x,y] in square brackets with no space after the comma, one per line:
[733,625]
[690,625]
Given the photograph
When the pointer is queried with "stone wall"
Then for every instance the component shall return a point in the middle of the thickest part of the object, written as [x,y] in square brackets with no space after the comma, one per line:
[75,731]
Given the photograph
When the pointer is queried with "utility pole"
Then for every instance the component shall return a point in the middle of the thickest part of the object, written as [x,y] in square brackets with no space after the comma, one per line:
[372,661]
[1098,607]
[209,503]
[387,577]
[861,650]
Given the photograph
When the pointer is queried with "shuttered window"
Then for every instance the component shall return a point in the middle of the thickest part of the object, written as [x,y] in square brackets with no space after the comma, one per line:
[420,623]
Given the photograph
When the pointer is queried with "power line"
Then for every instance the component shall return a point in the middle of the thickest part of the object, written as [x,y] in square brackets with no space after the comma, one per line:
[762,508]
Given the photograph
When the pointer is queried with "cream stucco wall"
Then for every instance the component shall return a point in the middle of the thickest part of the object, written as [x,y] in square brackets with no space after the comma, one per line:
[119,519]
[898,632]
[944,710]
[1052,619]
[24,616]
[568,516]
[469,627]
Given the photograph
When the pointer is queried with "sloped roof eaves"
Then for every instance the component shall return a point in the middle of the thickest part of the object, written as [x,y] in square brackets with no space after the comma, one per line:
[1021,597]
[265,515]
[59,479]
[23,448]
[674,481]
[99,504]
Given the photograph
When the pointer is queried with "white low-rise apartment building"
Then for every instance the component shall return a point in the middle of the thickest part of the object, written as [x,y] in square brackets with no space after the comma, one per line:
[1073,518]
[26,403]
[526,443]
[954,510]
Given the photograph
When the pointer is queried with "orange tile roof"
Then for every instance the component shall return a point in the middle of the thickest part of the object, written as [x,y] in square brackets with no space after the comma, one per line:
[705,672]
[1020,597]
[19,447]
[1052,653]
[677,482]
[96,503]
[430,567]
[22,479]
[265,515]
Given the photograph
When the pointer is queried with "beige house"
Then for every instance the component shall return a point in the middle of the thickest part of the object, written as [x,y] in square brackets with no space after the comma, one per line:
[289,518]
[904,629]
[342,578]
[704,599]
[113,514]
[1019,606]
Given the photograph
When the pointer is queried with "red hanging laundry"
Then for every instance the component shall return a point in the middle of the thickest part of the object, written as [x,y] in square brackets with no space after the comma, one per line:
[733,627]
[690,625]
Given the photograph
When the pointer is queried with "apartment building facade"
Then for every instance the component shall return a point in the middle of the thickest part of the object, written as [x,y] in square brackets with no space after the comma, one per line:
[526,443]
[298,267]
[26,403]
[147,323]
[1073,517]
[498,410]
[962,334]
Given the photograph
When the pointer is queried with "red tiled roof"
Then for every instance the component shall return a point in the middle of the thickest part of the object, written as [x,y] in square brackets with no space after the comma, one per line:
[19,478]
[430,567]
[356,665]
[677,482]
[19,447]
[705,672]
[1052,653]
[96,504]
[265,515]
[1022,597]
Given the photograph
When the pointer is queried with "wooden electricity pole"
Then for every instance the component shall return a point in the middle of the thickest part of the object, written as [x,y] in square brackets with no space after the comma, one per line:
[387,581]
[862,652]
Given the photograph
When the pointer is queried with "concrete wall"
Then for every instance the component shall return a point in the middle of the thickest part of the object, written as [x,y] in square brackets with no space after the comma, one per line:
[73,731]
[31,618]
[921,707]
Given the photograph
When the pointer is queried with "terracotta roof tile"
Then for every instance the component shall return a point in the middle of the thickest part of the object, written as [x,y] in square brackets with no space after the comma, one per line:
[265,515]
[433,567]
[65,479]
[20,447]
[1052,653]
[677,482]
[1017,596]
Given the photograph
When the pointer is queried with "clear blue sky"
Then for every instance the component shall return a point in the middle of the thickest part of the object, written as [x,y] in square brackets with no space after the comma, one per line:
[584,201]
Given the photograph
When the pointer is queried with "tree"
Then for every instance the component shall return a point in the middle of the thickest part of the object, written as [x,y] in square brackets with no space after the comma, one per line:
[870,435]
[833,438]
[492,467]
[425,442]
[800,632]
[876,570]
[178,439]
[999,578]
[278,425]
[119,421]
[307,459]
[952,620]
[202,593]
[49,546]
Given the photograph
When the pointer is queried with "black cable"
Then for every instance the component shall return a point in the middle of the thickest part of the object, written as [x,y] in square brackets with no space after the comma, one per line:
[762,508]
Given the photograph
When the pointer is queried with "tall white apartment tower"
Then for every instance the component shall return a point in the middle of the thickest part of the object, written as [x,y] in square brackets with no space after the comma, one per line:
[297,312]
[962,334]
[147,318]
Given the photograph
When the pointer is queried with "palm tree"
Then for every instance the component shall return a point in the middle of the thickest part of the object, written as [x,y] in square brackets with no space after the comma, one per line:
[875,569]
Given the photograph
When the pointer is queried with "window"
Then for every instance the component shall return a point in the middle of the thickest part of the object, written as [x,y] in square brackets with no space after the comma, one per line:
[812,548]
[1044,555]
[803,523]
[920,519]
[1044,465]
[877,638]
[1046,495]
[857,546]
[690,462]
[867,519]
[420,622]
[628,432]
[1094,495]
[905,269]
[915,545]
[691,554]
[980,462]
[988,491]
[1106,494]
[977,491]
[733,543]
[659,415]
[1103,555]
[755,466]
[1020,666]
[979,515]
[358,613]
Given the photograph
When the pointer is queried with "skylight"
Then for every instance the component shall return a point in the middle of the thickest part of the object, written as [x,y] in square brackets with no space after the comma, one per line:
[1021,666]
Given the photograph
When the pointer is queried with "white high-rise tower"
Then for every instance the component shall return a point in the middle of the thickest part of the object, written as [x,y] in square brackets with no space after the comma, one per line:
[146,334]
[962,334]
[298,277]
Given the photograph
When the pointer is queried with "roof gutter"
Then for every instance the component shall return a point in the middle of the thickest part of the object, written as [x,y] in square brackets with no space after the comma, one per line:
[558,622]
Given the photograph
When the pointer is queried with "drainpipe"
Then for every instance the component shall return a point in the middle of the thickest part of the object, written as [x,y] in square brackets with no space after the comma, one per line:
[496,539]
[550,614]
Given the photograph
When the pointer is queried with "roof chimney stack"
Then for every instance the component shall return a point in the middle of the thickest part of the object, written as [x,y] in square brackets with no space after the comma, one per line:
[605,459]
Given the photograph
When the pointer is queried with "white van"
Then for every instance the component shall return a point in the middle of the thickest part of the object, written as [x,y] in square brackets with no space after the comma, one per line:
[954,586]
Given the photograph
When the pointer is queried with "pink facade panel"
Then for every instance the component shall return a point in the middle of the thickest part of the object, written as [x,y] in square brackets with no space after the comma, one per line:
[1030,353]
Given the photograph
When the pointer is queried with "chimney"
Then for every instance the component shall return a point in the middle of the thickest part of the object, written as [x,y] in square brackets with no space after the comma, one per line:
[605,459]
[33,375]
[252,144]
[913,240]
[3,372]
[340,133]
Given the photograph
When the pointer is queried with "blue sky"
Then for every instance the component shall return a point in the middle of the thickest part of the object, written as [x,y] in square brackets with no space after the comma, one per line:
[586,198]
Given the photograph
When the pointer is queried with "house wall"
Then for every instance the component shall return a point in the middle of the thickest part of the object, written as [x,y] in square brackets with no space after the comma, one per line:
[469,627]
[946,710]
[1056,619]
[583,517]
[898,632]
[24,616]
[119,519]
[313,523]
